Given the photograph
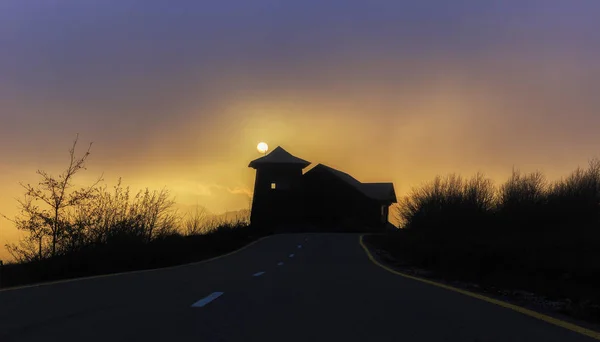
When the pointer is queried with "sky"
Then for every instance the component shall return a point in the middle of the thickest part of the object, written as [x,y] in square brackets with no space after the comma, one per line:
[177,94]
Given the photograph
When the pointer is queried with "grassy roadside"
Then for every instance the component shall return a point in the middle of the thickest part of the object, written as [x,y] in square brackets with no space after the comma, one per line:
[529,240]
[567,298]
[171,250]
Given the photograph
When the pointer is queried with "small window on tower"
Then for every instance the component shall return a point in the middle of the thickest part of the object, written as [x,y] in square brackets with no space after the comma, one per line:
[273,186]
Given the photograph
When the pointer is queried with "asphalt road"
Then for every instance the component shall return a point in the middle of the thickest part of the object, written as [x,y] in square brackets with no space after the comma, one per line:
[328,291]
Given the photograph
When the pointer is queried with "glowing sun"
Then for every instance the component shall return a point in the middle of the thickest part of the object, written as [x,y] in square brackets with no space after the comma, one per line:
[262,147]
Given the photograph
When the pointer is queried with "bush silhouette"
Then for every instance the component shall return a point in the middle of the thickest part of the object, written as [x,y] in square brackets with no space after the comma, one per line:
[94,230]
[526,233]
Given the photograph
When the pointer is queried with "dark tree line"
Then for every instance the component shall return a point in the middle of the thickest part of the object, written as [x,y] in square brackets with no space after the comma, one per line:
[59,218]
[526,203]
[527,232]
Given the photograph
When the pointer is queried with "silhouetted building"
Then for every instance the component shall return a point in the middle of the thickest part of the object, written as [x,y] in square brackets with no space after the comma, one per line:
[277,188]
[321,196]
[333,196]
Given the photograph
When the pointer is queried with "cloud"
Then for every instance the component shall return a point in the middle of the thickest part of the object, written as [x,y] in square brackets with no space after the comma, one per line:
[204,190]
[218,190]
[385,90]
[240,191]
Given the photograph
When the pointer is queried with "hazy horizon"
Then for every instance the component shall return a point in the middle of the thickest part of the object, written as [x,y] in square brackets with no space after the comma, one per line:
[178,97]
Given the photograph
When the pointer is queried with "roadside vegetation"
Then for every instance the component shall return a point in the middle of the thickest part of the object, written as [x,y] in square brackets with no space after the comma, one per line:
[527,234]
[72,231]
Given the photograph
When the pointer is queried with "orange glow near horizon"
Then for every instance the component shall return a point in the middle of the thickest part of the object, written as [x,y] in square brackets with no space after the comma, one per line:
[399,99]
[437,139]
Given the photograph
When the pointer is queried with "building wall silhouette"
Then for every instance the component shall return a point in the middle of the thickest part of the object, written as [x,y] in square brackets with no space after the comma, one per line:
[322,196]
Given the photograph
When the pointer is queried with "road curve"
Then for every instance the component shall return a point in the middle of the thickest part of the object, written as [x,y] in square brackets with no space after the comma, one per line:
[293,287]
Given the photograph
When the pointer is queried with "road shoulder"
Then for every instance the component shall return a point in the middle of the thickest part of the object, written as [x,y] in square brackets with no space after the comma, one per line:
[584,328]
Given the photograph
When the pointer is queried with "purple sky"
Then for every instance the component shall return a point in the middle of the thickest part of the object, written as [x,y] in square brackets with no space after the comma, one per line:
[178,93]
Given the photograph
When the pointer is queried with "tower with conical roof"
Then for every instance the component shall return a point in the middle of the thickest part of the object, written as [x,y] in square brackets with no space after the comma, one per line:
[277,195]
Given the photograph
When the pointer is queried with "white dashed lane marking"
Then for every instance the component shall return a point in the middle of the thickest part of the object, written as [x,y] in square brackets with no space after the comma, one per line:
[207,299]
[280,263]
[299,246]
[291,255]
[258,274]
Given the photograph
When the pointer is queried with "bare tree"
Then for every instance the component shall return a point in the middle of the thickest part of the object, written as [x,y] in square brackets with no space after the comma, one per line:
[58,196]
[195,223]
[107,216]
[153,212]
[449,201]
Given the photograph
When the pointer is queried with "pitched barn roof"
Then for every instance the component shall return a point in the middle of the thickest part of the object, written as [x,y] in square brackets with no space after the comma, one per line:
[379,191]
[278,156]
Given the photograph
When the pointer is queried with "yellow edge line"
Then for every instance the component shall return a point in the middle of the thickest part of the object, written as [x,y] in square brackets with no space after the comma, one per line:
[132,272]
[551,320]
